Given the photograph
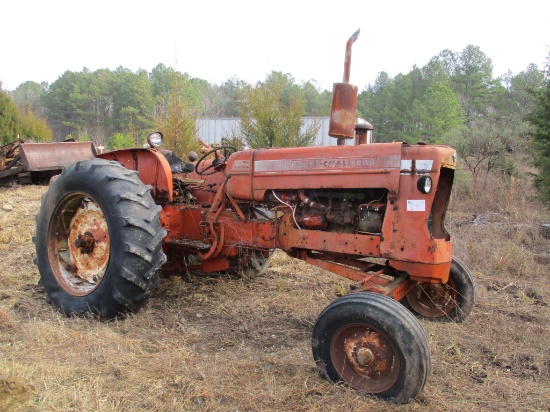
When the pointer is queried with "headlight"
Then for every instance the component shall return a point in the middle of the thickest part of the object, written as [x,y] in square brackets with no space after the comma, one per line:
[154,139]
[424,184]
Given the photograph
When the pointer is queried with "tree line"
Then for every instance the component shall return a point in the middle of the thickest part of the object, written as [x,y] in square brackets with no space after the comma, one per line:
[103,103]
[453,99]
[453,90]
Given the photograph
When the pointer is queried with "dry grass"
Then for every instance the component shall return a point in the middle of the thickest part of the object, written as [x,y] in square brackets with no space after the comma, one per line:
[227,344]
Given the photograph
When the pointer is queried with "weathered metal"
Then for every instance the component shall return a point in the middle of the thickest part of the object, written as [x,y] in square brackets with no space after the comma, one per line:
[347,60]
[343,111]
[9,160]
[153,169]
[255,173]
[44,159]
[344,101]
[51,156]
[88,241]
[362,132]
[365,358]
[79,245]
[433,300]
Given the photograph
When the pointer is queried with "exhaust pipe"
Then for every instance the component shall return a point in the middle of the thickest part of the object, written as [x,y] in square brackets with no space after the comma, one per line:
[344,102]
[347,61]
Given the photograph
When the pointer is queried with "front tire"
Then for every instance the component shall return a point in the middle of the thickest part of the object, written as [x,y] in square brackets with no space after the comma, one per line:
[98,240]
[374,345]
[451,302]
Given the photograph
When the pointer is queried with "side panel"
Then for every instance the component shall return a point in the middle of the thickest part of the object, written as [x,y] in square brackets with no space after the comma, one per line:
[332,242]
[256,172]
[186,227]
[407,241]
[405,230]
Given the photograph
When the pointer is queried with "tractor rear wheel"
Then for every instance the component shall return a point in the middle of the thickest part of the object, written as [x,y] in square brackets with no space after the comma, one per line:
[374,345]
[451,302]
[98,240]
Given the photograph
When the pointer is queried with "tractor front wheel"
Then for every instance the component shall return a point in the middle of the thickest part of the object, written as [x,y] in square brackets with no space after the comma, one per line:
[451,302]
[373,344]
[98,240]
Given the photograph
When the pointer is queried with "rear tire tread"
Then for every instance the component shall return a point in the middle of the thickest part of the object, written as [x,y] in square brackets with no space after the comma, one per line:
[135,231]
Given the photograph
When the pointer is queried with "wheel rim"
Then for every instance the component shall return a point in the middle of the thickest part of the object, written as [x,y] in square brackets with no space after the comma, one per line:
[433,300]
[364,358]
[78,244]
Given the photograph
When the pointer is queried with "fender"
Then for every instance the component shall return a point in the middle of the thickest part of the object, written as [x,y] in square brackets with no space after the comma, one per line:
[153,169]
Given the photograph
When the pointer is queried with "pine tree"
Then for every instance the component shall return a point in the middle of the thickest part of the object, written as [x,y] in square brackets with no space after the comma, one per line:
[540,120]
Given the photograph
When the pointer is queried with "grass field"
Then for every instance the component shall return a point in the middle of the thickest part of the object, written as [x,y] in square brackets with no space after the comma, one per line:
[217,343]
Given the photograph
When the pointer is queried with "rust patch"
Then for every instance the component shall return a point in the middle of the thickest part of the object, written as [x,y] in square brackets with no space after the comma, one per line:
[85,242]
[162,196]
[365,358]
[89,242]
[53,156]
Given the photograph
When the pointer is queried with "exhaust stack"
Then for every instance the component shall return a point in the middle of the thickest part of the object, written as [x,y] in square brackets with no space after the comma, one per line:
[344,102]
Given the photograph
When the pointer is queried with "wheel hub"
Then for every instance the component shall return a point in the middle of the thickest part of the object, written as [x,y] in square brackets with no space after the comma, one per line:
[89,242]
[85,242]
[79,243]
[365,358]
[433,300]
[369,354]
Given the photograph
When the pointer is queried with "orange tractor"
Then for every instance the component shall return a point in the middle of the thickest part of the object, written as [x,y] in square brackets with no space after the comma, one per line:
[373,213]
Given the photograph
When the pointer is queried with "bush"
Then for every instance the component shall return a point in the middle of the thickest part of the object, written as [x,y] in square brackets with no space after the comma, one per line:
[120,141]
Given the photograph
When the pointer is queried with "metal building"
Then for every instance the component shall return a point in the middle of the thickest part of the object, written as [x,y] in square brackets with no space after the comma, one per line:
[212,130]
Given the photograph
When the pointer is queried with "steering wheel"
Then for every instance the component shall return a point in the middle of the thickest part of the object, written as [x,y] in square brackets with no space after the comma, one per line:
[216,162]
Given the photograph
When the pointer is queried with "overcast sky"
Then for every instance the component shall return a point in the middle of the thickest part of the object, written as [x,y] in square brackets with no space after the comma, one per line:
[215,40]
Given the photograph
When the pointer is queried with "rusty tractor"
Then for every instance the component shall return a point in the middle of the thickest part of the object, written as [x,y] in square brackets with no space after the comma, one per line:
[372,213]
